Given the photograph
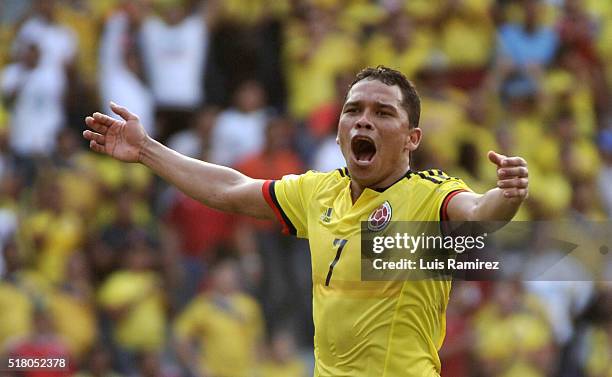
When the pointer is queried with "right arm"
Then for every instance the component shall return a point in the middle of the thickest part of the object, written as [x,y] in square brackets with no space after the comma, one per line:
[216,186]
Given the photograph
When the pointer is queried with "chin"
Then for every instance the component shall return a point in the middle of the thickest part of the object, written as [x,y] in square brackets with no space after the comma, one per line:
[364,175]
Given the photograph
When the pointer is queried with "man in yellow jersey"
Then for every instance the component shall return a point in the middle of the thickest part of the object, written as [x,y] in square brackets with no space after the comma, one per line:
[361,328]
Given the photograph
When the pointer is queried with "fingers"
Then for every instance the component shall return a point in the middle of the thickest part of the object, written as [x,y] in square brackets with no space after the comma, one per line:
[520,193]
[104,119]
[122,112]
[96,126]
[513,183]
[495,157]
[520,171]
[512,175]
[514,161]
[98,138]
[96,147]
[501,160]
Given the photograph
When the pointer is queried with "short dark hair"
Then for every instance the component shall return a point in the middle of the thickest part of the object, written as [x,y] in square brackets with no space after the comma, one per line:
[410,101]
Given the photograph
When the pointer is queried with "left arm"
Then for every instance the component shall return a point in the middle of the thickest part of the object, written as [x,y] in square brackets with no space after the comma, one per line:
[498,204]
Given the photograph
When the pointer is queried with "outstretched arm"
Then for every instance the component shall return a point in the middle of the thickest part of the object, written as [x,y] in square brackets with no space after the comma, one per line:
[498,204]
[216,186]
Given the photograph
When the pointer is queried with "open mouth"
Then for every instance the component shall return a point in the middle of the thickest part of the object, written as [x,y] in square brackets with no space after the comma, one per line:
[363,148]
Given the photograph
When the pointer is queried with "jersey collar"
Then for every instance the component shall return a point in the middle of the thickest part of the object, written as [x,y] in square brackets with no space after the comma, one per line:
[383,189]
[345,172]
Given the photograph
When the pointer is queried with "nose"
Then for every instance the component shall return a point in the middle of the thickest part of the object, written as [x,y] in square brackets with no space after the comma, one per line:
[364,122]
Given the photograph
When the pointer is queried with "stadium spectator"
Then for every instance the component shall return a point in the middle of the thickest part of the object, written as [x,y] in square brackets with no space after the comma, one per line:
[35,92]
[247,43]
[121,66]
[175,49]
[513,337]
[240,130]
[220,331]
[445,122]
[283,360]
[133,301]
[43,340]
[527,45]
[16,308]
[72,307]
[54,232]
[456,354]
[564,301]
[196,233]
[124,223]
[57,43]
[577,33]
[316,52]
[276,157]
[595,353]
[399,43]
[267,257]
[195,141]
[465,37]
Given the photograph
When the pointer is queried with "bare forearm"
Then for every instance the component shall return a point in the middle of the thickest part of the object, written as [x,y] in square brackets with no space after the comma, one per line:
[499,204]
[494,206]
[491,206]
[214,185]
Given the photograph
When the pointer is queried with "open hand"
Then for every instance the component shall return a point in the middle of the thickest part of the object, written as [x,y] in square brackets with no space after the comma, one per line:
[121,139]
[512,175]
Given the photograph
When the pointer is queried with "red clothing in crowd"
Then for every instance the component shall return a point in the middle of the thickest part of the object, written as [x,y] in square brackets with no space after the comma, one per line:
[201,229]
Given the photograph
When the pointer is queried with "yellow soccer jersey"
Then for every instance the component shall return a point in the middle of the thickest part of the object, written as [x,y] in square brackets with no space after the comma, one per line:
[366,328]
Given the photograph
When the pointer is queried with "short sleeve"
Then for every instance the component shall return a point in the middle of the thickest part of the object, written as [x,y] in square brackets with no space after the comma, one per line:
[446,191]
[289,198]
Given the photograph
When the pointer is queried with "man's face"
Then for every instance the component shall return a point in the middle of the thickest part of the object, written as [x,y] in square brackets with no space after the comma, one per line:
[374,133]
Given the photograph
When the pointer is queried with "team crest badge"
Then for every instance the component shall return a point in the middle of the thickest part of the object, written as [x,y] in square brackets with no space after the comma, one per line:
[380,217]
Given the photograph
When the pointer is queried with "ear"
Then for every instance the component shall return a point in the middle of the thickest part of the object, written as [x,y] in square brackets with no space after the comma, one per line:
[413,139]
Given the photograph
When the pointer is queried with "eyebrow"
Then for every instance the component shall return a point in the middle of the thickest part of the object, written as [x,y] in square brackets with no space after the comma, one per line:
[378,104]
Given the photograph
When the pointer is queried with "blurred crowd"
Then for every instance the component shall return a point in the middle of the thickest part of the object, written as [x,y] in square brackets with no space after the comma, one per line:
[104,263]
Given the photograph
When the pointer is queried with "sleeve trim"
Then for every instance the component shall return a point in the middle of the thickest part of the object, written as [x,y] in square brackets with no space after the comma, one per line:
[270,196]
[447,199]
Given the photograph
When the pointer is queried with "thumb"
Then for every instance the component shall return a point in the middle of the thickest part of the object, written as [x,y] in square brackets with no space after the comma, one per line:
[122,112]
[495,157]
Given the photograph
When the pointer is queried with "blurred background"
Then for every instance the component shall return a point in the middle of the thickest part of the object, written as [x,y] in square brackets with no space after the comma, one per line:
[103,262]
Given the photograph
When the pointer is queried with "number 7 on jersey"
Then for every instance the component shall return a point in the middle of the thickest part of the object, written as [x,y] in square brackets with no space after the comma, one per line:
[339,243]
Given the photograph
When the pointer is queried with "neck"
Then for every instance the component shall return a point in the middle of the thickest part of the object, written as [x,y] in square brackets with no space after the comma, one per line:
[357,187]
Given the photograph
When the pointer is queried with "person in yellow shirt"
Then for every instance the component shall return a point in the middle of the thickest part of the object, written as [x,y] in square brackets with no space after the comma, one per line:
[315,52]
[362,328]
[513,335]
[225,323]
[133,299]
[52,232]
[283,360]
[16,310]
[400,44]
